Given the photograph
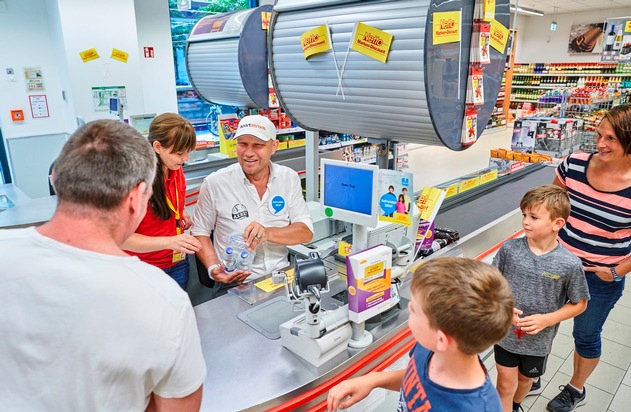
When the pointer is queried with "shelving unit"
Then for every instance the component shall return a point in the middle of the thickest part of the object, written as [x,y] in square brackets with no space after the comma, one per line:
[500,115]
[532,81]
[401,156]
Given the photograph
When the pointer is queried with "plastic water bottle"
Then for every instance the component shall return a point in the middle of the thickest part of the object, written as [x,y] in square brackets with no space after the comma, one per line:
[243,261]
[229,260]
[240,256]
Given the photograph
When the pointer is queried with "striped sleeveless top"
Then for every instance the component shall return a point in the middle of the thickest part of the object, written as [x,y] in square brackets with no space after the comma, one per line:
[598,230]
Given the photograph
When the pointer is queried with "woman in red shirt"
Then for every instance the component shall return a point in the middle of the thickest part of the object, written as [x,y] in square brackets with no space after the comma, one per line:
[160,239]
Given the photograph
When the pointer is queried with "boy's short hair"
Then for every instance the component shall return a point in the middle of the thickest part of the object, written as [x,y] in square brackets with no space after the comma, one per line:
[468,300]
[552,197]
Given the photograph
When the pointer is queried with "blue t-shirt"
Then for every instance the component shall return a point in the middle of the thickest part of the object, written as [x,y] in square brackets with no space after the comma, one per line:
[420,394]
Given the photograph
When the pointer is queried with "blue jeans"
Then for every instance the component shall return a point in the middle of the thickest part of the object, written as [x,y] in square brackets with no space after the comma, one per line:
[179,272]
[589,325]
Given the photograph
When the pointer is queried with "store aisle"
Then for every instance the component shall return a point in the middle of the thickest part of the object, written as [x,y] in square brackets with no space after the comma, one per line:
[609,387]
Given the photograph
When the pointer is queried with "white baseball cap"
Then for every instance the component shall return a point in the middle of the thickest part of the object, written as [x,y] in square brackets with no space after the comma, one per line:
[258,126]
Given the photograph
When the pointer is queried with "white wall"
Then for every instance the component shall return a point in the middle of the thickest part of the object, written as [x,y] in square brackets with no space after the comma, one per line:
[49,34]
[537,44]
[158,74]
[26,41]
[108,24]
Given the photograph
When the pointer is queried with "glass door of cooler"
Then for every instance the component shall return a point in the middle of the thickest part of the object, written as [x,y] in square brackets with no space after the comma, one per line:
[5,174]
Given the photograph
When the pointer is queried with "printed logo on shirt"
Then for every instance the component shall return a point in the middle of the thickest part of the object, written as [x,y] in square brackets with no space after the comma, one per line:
[276,205]
[550,275]
[415,397]
[239,212]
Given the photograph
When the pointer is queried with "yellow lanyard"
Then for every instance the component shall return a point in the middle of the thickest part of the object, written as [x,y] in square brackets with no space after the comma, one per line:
[177,256]
[175,209]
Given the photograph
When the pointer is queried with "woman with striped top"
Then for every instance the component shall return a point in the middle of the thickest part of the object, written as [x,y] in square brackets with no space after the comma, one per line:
[598,231]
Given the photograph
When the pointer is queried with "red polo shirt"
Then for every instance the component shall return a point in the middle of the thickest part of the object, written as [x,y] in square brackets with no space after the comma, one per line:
[151,225]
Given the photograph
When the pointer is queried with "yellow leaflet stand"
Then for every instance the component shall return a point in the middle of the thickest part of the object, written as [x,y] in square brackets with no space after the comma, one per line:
[268,286]
[227,127]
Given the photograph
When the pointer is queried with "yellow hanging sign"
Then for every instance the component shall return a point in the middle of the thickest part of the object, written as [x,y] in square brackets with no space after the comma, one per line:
[489,10]
[371,41]
[90,54]
[446,27]
[315,41]
[499,36]
[265,18]
[627,26]
[119,55]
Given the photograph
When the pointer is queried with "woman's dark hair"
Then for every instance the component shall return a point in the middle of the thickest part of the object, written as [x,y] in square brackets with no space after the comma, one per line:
[176,134]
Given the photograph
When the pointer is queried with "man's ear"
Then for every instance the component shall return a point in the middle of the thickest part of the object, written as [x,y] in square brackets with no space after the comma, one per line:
[137,199]
[275,144]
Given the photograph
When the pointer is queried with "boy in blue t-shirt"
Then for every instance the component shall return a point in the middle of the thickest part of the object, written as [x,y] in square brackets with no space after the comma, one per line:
[549,286]
[458,308]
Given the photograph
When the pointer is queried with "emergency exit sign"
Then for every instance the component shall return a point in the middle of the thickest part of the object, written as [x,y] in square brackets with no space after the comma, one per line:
[148,52]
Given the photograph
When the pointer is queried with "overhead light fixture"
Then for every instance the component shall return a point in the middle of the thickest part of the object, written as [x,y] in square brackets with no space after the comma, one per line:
[525,10]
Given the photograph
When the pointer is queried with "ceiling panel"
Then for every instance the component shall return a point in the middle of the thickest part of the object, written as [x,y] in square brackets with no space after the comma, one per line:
[572,6]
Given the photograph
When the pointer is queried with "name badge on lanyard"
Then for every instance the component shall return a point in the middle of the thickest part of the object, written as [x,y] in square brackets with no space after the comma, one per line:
[276,205]
[177,256]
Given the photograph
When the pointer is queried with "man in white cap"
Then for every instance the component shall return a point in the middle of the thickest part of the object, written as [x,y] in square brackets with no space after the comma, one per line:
[255,197]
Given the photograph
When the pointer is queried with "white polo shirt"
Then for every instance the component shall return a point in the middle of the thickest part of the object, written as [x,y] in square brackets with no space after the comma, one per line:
[228,202]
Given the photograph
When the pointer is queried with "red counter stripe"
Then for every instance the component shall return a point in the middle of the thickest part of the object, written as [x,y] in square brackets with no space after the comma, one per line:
[308,396]
[493,249]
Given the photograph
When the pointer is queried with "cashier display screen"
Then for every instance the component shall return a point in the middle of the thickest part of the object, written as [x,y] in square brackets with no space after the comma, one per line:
[348,188]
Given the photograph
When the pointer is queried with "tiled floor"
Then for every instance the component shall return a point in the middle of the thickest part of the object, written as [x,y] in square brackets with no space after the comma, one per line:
[609,387]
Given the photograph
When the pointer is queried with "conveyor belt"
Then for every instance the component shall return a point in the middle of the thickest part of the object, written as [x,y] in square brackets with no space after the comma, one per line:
[484,206]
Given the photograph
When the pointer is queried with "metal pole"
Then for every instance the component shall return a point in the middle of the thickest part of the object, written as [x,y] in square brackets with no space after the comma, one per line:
[312,160]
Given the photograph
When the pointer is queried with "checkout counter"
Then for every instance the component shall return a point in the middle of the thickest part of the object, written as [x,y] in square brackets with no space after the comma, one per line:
[250,371]
[18,210]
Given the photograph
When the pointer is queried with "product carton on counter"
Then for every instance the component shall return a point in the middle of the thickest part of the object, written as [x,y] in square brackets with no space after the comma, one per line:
[368,281]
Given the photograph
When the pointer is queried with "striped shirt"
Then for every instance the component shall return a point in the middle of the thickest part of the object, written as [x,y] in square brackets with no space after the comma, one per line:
[598,230]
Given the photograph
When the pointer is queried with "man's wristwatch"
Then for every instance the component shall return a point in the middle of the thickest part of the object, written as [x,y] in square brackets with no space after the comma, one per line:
[616,277]
[211,267]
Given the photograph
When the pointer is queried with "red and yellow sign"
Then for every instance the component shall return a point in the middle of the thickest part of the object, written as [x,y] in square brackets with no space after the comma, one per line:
[119,55]
[344,249]
[315,41]
[489,10]
[265,18]
[446,27]
[468,184]
[90,54]
[488,176]
[627,26]
[499,36]
[371,41]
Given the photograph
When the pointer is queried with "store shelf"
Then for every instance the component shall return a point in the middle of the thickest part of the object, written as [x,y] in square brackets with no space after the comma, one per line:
[518,86]
[573,74]
[495,129]
[289,131]
[337,145]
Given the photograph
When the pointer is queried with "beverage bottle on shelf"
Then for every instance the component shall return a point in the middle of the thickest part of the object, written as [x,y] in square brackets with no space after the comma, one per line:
[229,260]
[617,44]
[611,37]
